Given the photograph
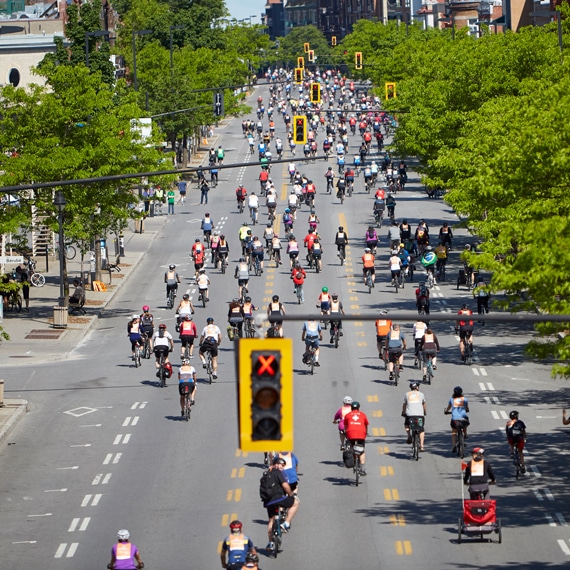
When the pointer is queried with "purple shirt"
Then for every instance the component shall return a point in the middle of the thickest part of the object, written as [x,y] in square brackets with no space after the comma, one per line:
[124,559]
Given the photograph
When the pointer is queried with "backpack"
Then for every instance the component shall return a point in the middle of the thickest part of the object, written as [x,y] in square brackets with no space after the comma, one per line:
[286,218]
[268,486]
[146,320]
[423,291]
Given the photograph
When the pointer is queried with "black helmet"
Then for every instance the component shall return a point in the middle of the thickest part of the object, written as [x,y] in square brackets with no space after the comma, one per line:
[464,306]
[457,391]
[186,296]
[278,460]
[340,228]
[355,405]
[210,320]
[414,385]
[514,415]
[275,298]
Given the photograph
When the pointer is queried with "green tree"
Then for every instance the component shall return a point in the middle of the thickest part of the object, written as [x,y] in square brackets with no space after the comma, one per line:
[292,46]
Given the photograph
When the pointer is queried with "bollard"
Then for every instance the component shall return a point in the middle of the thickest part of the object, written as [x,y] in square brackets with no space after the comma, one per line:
[1,393]
[121,245]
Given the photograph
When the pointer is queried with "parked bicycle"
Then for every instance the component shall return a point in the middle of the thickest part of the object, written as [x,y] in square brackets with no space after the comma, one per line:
[36,278]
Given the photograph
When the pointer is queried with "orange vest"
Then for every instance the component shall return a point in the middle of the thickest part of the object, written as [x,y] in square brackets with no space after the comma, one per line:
[383,327]
[368,260]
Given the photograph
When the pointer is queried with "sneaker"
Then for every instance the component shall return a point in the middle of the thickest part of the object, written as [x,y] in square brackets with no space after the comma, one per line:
[409,440]
[285,527]
[363,473]
[340,333]
[192,402]
[158,374]
[391,376]
[270,546]
[191,356]
[215,376]
[204,366]
[317,364]
[425,378]
[435,367]
[454,449]
[342,447]
[182,413]
[523,469]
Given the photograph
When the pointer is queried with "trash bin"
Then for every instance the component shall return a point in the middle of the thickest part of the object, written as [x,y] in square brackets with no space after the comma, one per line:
[151,211]
[60,317]
[86,277]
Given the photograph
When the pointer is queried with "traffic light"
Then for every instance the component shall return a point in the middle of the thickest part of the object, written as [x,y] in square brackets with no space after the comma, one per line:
[301,62]
[311,55]
[218,103]
[265,395]
[298,75]
[390,90]
[306,47]
[300,129]
[358,60]
[315,92]
[333,41]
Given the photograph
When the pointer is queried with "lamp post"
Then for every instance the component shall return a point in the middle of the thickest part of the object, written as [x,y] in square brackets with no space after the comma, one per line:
[135,34]
[450,20]
[95,34]
[60,202]
[173,28]
[251,17]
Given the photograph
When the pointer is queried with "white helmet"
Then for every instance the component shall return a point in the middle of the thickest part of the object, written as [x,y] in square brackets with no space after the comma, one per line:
[347,400]
[123,534]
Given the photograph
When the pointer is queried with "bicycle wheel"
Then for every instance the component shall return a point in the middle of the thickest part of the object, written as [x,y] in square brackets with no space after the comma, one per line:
[70,252]
[415,446]
[517,463]
[170,301]
[187,407]
[137,356]
[37,280]
[209,368]
[357,469]
[162,376]
[460,444]
[223,265]
[16,302]
[429,371]
[203,300]
[336,338]
[312,364]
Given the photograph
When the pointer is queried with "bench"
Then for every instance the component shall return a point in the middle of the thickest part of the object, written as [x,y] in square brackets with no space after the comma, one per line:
[77,308]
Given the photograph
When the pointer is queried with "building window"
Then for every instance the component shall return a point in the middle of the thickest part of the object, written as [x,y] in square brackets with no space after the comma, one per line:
[14,77]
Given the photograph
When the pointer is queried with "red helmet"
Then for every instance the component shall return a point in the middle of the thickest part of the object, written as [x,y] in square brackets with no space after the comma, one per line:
[236,526]
[146,309]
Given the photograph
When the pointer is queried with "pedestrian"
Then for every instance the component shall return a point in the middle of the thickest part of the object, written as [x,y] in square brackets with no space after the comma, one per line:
[170,196]
[204,189]
[182,187]
[482,296]
[22,273]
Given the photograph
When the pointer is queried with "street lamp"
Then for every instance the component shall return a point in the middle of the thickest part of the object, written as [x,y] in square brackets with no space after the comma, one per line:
[173,28]
[251,17]
[135,34]
[95,34]
[451,21]
[60,202]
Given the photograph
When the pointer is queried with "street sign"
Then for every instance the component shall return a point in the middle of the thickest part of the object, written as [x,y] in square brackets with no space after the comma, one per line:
[5,259]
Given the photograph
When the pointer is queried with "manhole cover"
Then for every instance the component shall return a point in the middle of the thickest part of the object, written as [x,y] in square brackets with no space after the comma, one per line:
[45,334]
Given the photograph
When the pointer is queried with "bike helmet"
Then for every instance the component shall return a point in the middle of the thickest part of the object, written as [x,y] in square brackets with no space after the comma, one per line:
[367,250]
[479,451]
[464,306]
[135,317]
[287,210]
[162,326]
[236,526]
[207,215]
[355,405]
[248,299]
[185,361]
[340,228]
[347,400]
[402,246]
[269,225]
[255,238]
[222,236]
[146,309]
[330,168]
[414,385]
[202,270]
[514,415]
[325,289]
[334,295]
[185,296]
[210,320]
[123,534]
[172,266]
[457,391]
[188,317]
[275,298]
[278,461]
[242,259]
[197,240]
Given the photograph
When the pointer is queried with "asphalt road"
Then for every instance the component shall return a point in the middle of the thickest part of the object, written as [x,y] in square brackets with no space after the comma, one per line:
[104,448]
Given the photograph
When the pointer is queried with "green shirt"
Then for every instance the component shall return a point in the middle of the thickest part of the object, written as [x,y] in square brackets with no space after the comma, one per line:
[171,196]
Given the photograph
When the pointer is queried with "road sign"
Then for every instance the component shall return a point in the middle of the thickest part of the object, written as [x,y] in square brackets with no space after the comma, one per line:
[5,259]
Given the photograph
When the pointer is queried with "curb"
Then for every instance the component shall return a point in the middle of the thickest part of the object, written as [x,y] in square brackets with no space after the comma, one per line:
[21,407]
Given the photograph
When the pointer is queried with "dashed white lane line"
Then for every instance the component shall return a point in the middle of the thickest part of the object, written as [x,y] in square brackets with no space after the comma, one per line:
[564,547]
[139,405]
[26,542]
[101,478]
[132,421]
[81,445]
[94,502]
[92,425]
[120,437]
[66,468]
[44,515]
[75,523]
[495,415]
[110,458]
[550,520]
[63,547]
[491,399]
[561,519]
[55,490]
[535,471]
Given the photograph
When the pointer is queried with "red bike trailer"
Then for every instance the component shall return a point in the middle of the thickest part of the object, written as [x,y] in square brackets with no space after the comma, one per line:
[479,519]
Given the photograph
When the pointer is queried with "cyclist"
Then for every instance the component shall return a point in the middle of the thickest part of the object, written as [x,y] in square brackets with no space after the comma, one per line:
[339,419]
[134,333]
[329,176]
[371,238]
[313,220]
[263,178]
[368,265]
[288,220]
[482,296]
[395,344]
[378,209]
[405,231]
[210,339]
[422,298]
[185,307]
[147,321]
[356,430]
[336,310]
[395,264]
[465,329]
[214,244]
[441,254]
[236,547]
[283,497]
[257,252]
[341,241]
[203,282]
[223,250]
[394,235]
[478,475]
[276,309]
[235,317]
[324,301]
[298,274]
[292,202]
[161,344]
[459,408]
[275,249]
[186,383]
[247,309]
[220,154]
[253,205]
[317,253]
[207,225]
[292,250]
[171,278]
[414,408]
[198,256]
[242,234]
[124,554]
[241,273]
[429,347]
[291,468]
[445,235]
[516,436]
[268,234]
[419,330]
[349,176]
[383,328]
[241,193]
[188,333]
[311,335]
[341,187]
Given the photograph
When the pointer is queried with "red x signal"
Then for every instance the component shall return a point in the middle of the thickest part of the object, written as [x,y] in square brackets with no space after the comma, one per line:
[265,365]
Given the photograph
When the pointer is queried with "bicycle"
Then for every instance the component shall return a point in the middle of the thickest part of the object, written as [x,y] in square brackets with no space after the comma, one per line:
[69,251]
[162,371]
[369,282]
[240,205]
[357,451]
[253,214]
[256,265]
[429,368]
[36,279]
[209,366]
[335,333]
[170,299]
[15,301]
[146,352]
[299,293]
[221,261]
[187,404]
[394,358]
[341,254]
[203,297]
[398,281]
[277,531]
[350,188]
[138,354]
[186,353]
[310,359]
[416,424]
[468,352]
[517,462]
[249,330]
[378,217]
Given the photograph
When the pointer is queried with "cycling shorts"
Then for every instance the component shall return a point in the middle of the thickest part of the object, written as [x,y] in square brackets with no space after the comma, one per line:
[459,424]
[465,332]
[517,442]
[381,339]
[243,282]
[186,388]
[258,255]
[187,340]
[417,422]
[325,305]
[293,254]
[371,269]
[286,502]
[353,442]
[161,350]
[312,342]
[211,347]
[395,353]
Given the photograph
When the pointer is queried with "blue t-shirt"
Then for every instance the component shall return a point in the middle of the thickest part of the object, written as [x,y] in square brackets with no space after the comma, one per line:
[182,186]
[458,405]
